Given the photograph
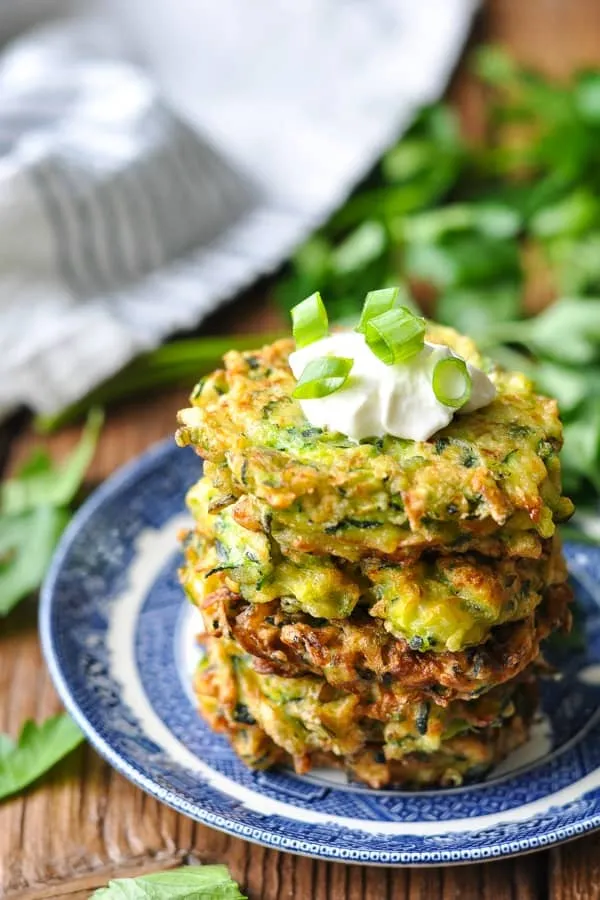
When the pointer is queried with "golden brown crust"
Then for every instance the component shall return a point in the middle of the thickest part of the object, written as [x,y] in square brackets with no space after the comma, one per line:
[490,478]
[352,653]
[440,602]
[475,757]
[376,761]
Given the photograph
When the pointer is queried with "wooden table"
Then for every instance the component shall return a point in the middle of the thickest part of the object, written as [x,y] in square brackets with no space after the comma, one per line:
[85,823]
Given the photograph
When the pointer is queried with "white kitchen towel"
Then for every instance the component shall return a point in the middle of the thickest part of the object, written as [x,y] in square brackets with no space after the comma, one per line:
[156,157]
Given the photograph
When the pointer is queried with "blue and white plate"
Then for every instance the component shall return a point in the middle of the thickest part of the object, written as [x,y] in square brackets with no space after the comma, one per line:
[119,640]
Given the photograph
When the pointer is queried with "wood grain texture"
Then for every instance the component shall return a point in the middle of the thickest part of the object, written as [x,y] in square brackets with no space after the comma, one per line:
[554,36]
[85,823]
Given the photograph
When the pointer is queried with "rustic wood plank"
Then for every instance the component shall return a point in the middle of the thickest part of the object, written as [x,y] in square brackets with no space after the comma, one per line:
[574,872]
[523,878]
[553,36]
[425,883]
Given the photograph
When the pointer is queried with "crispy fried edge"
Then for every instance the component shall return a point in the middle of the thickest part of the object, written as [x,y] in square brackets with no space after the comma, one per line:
[299,648]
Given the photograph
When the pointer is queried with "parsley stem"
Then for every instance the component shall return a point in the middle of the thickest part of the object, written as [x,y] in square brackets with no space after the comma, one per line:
[178,362]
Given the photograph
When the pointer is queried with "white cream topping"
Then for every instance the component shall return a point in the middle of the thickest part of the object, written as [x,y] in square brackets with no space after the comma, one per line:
[378,399]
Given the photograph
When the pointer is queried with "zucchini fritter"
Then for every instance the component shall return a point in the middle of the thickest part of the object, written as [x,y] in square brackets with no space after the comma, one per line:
[436,603]
[271,719]
[489,481]
[357,653]
[448,603]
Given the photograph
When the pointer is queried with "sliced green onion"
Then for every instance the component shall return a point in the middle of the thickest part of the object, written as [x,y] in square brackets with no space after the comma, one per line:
[395,336]
[376,303]
[322,376]
[309,320]
[451,382]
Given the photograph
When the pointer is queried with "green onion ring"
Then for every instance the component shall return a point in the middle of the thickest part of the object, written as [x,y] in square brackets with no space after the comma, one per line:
[395,336]
[309,320]
[322,376]
[452,382]
[376,303]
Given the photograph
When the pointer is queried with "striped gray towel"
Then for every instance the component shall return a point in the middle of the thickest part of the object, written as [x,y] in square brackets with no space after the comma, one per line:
[151,165]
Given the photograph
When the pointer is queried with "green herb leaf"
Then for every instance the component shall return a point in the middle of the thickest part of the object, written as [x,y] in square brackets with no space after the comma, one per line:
[409,159]
[567,384]
[7,745]
[463,260]
[186,883]
[492,220]
[312,259]
[581,451]
[495,66]
[440,123]
[39,461]
[576,263]
[572,533]
[572,214]
[41,484]
[34,513]
[27,542]
[473,311]
[587,97]
[359,249]
[38,749]
[568,331]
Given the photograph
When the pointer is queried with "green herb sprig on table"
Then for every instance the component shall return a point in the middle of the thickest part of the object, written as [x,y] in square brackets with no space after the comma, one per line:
[34,510]
[37,750]
[179,362]
[186,883]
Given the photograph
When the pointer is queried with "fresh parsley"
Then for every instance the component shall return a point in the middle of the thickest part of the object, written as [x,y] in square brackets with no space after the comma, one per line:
[186,883]
[40,483]
[27,542]
[34,509]
[37,750]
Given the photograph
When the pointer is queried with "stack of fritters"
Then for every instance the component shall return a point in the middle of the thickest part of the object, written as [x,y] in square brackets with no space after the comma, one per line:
[378,606]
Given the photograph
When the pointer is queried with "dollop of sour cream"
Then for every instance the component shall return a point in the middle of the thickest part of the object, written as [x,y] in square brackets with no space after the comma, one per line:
[378,399]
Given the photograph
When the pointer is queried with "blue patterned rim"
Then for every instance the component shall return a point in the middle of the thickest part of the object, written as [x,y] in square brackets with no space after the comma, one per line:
[116,635]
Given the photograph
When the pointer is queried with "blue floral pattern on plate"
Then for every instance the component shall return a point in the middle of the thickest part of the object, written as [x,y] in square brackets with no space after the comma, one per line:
[119,640]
